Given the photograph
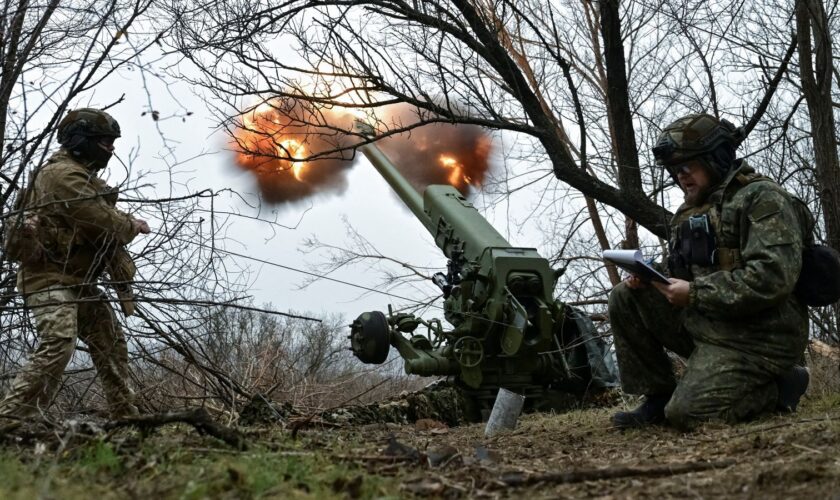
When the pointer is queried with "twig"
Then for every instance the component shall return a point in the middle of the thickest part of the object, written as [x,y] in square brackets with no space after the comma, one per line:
[198,418]
[807,448]
[789,423]
[299,424]
[580,475]
[334,456]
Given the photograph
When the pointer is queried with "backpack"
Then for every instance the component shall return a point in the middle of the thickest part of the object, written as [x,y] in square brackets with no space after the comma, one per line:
[819,281]
[21,232]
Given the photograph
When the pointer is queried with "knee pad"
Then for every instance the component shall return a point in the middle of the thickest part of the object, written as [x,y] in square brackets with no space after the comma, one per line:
[678,415]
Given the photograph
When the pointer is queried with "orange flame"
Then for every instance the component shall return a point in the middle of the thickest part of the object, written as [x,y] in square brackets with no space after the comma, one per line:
[456,176]
[292,148]
[275,140]
[265,139]
[439,153]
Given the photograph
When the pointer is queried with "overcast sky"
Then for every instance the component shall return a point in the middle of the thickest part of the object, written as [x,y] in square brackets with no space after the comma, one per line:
[204,161]
[368,204]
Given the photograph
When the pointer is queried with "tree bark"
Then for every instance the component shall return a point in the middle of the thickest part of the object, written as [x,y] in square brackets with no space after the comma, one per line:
[618,108]
[816,75]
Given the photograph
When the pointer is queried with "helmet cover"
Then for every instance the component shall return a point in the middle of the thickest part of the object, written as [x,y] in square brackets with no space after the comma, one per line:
[87,122]
[697,136]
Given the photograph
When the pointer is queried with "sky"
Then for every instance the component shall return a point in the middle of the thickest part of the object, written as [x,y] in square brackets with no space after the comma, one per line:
[367,204]
[202,159]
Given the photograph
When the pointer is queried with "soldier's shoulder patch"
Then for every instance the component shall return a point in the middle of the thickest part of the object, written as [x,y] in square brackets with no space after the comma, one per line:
[758,187]
[764,209]
[767,203]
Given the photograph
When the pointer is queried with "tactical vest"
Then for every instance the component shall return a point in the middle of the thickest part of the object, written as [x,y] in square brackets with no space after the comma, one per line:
[728,241]
[694,254]
[819,281]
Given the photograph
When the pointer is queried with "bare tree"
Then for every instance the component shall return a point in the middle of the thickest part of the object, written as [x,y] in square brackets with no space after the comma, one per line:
[581,87]
[56,57]
[819,80]
[464,72]
[817,74]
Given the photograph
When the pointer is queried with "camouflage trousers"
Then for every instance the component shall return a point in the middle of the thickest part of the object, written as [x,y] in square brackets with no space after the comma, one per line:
[719,383]
[61,316]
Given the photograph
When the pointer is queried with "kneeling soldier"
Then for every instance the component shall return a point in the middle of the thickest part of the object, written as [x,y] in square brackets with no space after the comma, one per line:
[735,254]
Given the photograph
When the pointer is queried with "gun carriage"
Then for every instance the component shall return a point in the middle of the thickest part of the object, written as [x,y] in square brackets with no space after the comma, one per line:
[508,330]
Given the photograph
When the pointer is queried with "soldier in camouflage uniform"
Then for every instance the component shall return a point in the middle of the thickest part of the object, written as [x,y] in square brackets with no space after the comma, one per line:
[78,233]
[735,256]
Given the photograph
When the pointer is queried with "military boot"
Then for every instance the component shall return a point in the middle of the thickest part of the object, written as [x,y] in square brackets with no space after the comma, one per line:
[650,412]
[792,385]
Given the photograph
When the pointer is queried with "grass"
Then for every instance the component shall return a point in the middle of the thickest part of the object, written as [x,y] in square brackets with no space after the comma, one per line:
[167,466]
[775,457]
[99,458]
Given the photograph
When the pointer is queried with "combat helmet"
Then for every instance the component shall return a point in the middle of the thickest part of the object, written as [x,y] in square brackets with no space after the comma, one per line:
[81,133]
[87,122]
[698,136]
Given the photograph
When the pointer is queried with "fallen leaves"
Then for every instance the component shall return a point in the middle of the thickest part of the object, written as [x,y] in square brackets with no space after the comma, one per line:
[432,426]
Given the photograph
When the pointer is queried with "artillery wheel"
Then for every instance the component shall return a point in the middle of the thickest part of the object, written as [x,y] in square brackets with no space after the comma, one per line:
[468,351]
[369,337]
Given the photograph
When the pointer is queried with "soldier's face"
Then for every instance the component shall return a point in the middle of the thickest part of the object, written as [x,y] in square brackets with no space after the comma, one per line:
[694,181]
[106,143]
[98,151]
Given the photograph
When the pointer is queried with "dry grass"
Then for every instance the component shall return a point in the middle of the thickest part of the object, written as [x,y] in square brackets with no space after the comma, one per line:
[779,456]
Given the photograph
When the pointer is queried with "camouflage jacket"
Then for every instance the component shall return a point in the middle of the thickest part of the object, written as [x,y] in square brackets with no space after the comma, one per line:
[745,300]
[79,226]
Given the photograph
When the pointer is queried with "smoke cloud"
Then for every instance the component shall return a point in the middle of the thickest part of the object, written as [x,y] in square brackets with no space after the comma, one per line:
[429,154]
[269,138]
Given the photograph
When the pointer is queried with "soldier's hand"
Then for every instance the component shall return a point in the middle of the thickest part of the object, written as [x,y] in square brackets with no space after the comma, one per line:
[140,226]
[676,291]
[633,282]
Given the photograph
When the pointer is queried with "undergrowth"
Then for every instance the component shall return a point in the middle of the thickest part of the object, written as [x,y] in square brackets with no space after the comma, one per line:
[775,456]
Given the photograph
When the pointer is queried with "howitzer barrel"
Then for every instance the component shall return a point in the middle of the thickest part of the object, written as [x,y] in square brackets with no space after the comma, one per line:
[508,329]
[457,226]
[454,223]
[398,183]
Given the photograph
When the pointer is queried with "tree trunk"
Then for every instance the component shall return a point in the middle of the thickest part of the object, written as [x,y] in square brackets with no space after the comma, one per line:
[620,116]
[816,76]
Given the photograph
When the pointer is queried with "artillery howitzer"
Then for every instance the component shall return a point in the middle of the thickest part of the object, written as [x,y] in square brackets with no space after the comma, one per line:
[509,331]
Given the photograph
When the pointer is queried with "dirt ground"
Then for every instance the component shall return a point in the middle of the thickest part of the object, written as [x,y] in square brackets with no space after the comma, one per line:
[572,455]
[777,457]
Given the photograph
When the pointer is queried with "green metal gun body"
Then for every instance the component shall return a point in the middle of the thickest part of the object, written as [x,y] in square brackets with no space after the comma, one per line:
[508,329]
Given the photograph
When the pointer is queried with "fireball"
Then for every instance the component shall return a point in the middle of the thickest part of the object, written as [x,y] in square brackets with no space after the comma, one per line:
[280,141]
[266,141]
[456,177]
[292,148]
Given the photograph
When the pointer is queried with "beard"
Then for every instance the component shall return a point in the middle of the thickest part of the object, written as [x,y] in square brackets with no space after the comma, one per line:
[697,197]
[703,185]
